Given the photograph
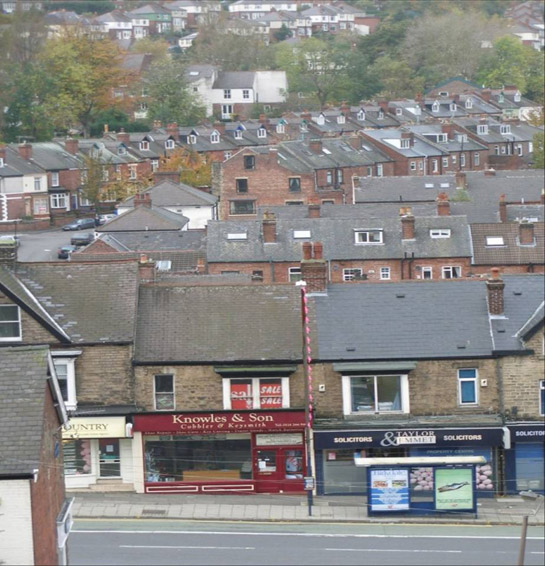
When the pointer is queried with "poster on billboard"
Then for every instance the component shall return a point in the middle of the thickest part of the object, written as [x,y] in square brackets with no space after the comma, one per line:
[454,489]
[389,489]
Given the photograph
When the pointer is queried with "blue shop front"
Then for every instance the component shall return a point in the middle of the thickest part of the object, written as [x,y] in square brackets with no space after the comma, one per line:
[524,468]
[337,473]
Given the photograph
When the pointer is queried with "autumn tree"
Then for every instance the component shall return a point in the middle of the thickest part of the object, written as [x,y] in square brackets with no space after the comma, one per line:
[396,79]
[195,169]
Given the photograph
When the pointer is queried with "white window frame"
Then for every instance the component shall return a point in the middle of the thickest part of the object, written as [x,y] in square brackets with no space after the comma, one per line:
[347,394]
[60,359]
[451,269]
[412,165]
[133,174]
[440,232]
[351,273]
[469,103]
[245,94]
[361,115]
[462,159]
[238,134]
[541,397]
[427,269]
[154,164]
[285,384]
[226,94]
[435,107]
[505,129]
[227,154]
[162,393]
[341,119]
[37,183]
[380,170]
[476,159]
[399,111]
[445,161]
[361,237]
[280,128]
[494,241]
[294,274]
[519,150]
[473,380]
[385,273]
[192,139]
[169,144]
[17,321]
[261,133]
[434,166]
[54,178]
[482,129]
[58,200]
[405,143]
[214,137]
[144,145]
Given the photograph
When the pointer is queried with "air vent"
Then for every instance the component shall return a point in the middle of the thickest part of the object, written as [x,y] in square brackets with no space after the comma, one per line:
[501,330]
[517,293]
[400,296]
[351,349]
[461,346]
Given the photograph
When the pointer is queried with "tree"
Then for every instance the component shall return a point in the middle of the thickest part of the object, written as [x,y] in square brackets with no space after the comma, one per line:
[157,48]
[396,78]
[195,169]
[169,98]
[539,161]
[282,33]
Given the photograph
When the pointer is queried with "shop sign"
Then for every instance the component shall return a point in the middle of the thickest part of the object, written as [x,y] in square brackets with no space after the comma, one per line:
[527,432]
[454,489]
[94,427]
[278,439]
[389,489]
[359,439]
[220,421]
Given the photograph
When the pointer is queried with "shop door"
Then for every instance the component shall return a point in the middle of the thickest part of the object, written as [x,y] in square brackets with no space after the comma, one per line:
[278,469]
[108,457]
[293,469]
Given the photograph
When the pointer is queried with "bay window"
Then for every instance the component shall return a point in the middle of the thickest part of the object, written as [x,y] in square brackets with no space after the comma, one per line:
[256,393]
[364,394]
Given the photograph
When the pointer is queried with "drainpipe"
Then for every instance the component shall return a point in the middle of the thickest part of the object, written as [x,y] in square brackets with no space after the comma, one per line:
[411,260]
[271,268]
[403,265]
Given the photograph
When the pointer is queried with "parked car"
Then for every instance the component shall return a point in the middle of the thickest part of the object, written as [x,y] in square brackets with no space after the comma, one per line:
[10,241]
[103,218]
[66,251]
[80,224]
[82,239]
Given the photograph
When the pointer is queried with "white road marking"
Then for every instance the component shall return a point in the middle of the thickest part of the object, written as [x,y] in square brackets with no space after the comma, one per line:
[190,547]
[324,535]
[389,550]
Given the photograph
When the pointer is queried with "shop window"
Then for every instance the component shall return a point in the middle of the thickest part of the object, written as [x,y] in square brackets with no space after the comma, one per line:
[77,457]
[529,466]
[256,393]
[467,387]
[375,394]
[242,207]
[451,271]
[10,323]
[242,185]
[164,392]
[542,397]
[66,375]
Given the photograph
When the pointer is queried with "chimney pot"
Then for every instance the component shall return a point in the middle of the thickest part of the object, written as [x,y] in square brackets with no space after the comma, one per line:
[71,145]
[443,205]
[314,269]
[123,137]
[318,250]
[460,180]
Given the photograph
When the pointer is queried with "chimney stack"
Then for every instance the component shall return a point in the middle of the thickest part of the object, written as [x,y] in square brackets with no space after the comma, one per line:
[503,209]
[156,124]
[173,131]
[315,145]
[383,103]
[461,180]
[448,129]
[314,267]
[146,268]
[443,205]
[269,227]
[25,150]
[408,136]
[407,227]
[201,265]
[142,199]
[106,130]
[526,233]
[495,286]
[71,145]
[345,108]
[219,127]
[123,137]
[306,115]
[486,94]
[3,153]
[160,176]
[314,211]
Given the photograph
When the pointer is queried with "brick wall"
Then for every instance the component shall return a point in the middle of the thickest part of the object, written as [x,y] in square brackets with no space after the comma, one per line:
[521,376]
[48,492]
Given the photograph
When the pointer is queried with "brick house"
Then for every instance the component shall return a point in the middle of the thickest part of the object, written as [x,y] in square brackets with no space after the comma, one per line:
[35,518]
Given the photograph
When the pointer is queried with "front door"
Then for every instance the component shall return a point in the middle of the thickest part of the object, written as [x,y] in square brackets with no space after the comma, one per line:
[226,111]
[108,457]
[278,469]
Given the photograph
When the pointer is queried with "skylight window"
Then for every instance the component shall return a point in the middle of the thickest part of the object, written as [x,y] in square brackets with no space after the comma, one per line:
[237,236]
[494,241]
[326,151]
[301,234]
[440,233]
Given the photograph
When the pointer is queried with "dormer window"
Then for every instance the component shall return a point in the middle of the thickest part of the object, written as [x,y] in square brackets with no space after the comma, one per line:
[399,111]
[369,237]
[341,119]
[10,323]
[320,120]
[482,129]
[505,129]
[280,128]
[405,143]
[380,114]
[469,103]
[361,115]
[435,107]
[501,98]
[214,137]
[304,126]
[144,145]
[169,144]
[238,134]
[461,138]
[453,107]
[516,98]
[121,150]
[262,132]
[192,139]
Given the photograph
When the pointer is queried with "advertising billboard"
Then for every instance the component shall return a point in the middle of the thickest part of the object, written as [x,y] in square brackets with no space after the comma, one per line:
[389,489]
[454,489]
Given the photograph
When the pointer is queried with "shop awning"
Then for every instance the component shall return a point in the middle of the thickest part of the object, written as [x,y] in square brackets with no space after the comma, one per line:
[232,371]
[350,367]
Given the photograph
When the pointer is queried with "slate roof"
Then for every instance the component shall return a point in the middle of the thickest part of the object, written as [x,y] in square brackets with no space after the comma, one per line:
[15,165]
[451,145]
[23,382]
[234,79]
[480,202]
[421,147]
[196,72]
[169,193]
[338,238]
[141,241]
[511,253]
[93,303]
[52,156]
[143,218]
[231,323]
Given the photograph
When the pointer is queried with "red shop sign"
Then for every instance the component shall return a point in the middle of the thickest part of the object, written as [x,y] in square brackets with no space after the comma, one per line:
[219,421]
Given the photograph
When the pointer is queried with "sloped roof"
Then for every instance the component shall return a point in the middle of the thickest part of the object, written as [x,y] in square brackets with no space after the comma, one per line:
[169,193]
[143,218]
[234,79]
[23,387]
[93,303]
[228,323]
[163,241]
[52,156]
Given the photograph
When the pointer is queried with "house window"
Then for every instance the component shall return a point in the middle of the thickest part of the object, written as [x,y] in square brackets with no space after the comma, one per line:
[294,184]
[132,172]
[476,159]
[58,200]
[214,137]
[226,111]
[482,129]
[245,94]
[352,273]
[10,323]
[238,134]
[467,387]
[169,144]
[469,103]
[506,129]
[462,159]
[379,170]
[256,393]
[440,233]
[257,275]
[427,273]
[329,177]
[496,150]
[66,375]
[369,237]
[227,94]
[434,166]
[542,397]
[519,150]
[163,386]
[280,129]
[445,161]
[341,119]
[242,207]
[405,143]
[451,271]
[413,165]
[294,274]
[39,205]
[37,184]
[361,115]
[242,185]
[375,394]
[249,162]
[384,273]
[399,111]
[454,160]
[380,115]
[121,150]
[54,179]
[339,176]
[1,162]
[494,241]
[192,139]
[421,165]
[105,174]
[144,146]
[154,164]
[435,107]
[261,133]
[453,107]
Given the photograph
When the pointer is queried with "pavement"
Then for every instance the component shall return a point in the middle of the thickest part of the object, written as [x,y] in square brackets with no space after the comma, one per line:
[507,510]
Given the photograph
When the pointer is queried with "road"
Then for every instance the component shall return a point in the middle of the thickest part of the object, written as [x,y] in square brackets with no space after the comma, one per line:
[165,542]
[42,246]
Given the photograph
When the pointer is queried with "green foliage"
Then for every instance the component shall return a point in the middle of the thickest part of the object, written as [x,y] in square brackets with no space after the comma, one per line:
[538,161]
[282,33]
[396,78]
[116,119]
[81,6]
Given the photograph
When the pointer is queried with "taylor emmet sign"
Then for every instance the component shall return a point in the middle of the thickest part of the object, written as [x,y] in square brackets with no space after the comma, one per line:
[219,422]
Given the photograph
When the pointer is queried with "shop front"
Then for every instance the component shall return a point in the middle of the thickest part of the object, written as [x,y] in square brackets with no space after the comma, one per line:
[524,468]
[220,452]
[337,472]
[95,449]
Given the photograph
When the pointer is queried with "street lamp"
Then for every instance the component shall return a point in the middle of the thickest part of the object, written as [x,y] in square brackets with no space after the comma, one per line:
[527,496]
